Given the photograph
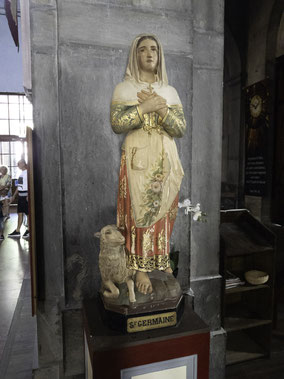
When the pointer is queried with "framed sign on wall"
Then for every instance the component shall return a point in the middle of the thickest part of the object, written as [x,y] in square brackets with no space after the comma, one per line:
[257,129]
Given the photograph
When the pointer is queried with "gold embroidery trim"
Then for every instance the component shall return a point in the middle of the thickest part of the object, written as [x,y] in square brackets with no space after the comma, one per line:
[123,160]
[150,123]
[175,123]
[165,117]
[133,239]
[148,264]
[140,113]
[122,188]
[162,241]
[120,219]
[124,118]
[147,243]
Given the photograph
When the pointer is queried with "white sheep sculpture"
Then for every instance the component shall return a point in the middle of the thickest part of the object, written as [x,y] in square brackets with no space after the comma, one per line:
[112,263]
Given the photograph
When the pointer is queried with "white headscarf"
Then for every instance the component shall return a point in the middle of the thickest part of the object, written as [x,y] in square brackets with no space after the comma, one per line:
[126,92]
[132,70]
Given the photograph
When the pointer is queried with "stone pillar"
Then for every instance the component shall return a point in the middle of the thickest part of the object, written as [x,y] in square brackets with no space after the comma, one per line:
[79,54]
[208,44]
[48,189]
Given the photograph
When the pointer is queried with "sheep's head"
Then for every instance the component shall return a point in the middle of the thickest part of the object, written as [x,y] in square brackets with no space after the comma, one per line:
[110,235]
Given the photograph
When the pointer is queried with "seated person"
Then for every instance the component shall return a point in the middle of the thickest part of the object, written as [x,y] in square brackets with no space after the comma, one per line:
[5,190]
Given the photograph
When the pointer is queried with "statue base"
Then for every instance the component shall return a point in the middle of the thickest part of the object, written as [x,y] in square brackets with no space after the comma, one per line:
[160,309]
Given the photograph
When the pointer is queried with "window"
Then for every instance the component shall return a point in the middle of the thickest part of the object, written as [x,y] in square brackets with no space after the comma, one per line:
[15,115]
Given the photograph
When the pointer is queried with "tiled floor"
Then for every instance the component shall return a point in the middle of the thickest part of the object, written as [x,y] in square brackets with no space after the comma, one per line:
[17,326]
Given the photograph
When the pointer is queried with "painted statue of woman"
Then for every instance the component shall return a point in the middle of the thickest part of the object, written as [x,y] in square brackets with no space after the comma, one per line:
[149,112]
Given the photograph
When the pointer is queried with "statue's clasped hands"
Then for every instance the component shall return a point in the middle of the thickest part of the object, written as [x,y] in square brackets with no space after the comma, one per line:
[152,102]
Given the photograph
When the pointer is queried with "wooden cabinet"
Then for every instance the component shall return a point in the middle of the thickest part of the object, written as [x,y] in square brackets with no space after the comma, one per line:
[246,244]
[110,354]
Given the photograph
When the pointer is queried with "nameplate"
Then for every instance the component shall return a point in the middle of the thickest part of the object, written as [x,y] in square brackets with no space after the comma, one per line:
[142,323]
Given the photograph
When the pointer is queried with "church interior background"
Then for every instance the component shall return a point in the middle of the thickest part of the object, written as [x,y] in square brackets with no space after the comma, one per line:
[226,57]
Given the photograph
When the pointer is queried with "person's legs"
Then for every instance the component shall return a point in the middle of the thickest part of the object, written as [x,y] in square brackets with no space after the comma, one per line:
[26,223]
[26,220]
[20,221]
[21,209]
[5,209]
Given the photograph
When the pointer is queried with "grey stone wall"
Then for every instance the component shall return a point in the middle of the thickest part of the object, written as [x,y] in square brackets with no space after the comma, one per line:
[92,55]
[79,54]
[49,225]
[206,136]
[208,45]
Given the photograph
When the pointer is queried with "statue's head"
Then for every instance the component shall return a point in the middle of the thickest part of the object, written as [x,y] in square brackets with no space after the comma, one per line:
[146,53]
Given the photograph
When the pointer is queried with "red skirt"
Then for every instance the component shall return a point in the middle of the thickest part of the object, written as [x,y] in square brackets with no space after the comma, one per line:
[147,248]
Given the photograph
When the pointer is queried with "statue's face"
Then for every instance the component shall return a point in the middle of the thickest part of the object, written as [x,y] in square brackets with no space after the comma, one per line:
[147,55]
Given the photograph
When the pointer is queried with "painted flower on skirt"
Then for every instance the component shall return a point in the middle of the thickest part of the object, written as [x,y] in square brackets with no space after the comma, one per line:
[156,203]
[159,177]
[152,195]
[156,187]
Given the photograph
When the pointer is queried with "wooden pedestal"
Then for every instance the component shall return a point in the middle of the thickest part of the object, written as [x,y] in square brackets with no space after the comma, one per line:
[108,352]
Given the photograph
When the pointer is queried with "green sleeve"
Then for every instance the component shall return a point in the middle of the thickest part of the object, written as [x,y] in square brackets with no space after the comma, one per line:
[174,122]
[124,118]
